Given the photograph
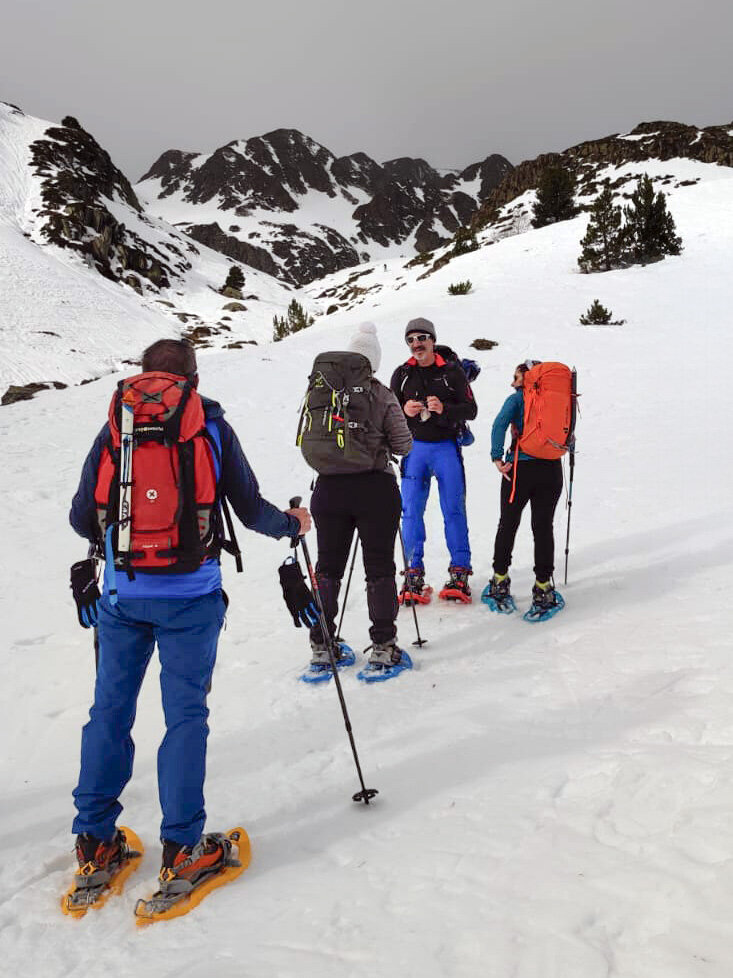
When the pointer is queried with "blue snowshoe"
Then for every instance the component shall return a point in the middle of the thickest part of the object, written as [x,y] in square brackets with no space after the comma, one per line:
[386,661]
[546,602]
[497,597]
[320,670]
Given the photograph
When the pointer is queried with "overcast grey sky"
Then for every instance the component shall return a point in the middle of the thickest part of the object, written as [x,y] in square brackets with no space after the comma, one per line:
[450,81]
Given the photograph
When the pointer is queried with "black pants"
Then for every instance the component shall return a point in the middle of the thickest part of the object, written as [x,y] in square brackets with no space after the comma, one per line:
[539,483]
[370,503]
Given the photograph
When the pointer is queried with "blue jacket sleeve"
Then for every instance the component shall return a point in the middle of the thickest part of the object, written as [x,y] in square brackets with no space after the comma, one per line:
[239,484]
[83,514]
[511,411]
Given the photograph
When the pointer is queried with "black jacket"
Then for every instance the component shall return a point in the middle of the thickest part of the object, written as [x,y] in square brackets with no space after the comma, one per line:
[445,380]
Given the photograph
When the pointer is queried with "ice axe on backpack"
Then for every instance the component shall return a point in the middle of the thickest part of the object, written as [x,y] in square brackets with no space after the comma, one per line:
[366,794]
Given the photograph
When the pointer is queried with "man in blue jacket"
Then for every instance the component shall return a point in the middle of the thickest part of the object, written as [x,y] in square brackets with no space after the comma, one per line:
[183,613]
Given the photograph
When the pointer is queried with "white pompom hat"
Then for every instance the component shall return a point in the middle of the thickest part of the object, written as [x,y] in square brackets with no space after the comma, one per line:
[365,341]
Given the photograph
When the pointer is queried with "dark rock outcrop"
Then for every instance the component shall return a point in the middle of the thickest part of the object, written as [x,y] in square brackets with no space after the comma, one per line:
[649,140]
[78,179]
[212,236]
[25,392]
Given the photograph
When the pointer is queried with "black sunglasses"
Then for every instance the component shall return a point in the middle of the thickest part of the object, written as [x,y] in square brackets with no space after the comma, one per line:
[417,338]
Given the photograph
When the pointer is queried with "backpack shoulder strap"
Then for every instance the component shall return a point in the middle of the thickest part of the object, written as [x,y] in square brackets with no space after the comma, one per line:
[231,545]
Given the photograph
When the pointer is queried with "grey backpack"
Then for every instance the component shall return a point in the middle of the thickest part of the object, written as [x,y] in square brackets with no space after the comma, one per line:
[336,432]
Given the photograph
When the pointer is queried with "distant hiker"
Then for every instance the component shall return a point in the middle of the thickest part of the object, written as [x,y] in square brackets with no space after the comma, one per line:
[350,426]
[437,400]
[168,458]
[530,478]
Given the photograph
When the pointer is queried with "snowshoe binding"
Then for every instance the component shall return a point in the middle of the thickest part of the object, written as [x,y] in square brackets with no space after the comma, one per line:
[103,869]
[456,587]
[320,669]
[497,596]
[546,602]
[386,661]
[414,590]
[189,873]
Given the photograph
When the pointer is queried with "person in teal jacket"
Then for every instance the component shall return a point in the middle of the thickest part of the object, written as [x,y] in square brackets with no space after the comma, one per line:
[539,483]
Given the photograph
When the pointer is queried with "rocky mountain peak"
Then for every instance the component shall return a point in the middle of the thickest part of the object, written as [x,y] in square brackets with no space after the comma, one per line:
[359,205]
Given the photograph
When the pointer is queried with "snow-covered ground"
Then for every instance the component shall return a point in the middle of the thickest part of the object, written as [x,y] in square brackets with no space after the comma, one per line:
[555,800]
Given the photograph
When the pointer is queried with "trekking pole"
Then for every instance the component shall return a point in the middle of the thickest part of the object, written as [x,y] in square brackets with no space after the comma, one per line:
[420,641]
[348,585]
[366,793]
[570,508]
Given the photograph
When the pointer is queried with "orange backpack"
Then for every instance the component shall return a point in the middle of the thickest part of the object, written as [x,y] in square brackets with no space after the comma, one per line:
[549,411]
[548,430]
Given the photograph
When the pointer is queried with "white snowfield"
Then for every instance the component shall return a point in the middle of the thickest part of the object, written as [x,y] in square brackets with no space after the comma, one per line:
[555,801]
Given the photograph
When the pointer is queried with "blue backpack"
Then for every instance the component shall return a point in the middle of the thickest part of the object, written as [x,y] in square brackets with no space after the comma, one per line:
[464,435]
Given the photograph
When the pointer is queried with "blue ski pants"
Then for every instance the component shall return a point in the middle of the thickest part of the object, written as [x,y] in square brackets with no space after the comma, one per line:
[441,459]
[186,631]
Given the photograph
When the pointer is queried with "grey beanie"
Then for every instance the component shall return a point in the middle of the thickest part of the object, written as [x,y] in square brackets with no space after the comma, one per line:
[365,341]
[420,325]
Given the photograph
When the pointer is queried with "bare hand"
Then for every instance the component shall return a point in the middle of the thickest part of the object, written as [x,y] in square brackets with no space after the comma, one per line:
[303,517]
[504,467]
[413,408]
[435,405]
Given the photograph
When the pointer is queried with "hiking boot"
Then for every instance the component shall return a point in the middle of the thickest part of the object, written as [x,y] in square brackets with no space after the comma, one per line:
[99,859]
[101,854]
[386,661]
[456,587]
[385,654]
[500,590]
[497,595]
[184,866]
[319,652]
[414,590]
[544,597]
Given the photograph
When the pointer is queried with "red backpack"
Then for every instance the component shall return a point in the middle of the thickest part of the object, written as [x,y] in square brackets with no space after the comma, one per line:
[156,492]
[548,430]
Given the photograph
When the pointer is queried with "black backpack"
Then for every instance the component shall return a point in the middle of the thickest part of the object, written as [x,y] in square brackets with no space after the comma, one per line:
[336,432]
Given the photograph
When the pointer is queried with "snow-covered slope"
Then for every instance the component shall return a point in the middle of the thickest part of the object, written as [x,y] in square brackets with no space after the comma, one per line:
[554,800]
[60,319]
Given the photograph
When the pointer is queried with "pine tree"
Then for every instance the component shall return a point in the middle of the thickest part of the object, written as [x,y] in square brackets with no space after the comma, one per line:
[296,319]
[280,328]
[598,315]
[235,279]
[464,241]
[555,197]
[650,232]
[603,241]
